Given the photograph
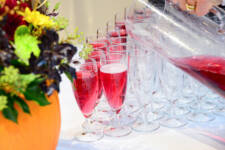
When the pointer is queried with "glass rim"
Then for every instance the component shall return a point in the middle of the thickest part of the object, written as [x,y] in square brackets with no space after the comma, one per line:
[101,52]
[110,54]
[118,51]
[117,38]
[119,44]
[83,62]
[95,38]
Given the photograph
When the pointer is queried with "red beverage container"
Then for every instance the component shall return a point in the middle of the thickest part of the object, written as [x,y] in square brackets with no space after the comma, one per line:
[209,70]
[86,91]
[114,80]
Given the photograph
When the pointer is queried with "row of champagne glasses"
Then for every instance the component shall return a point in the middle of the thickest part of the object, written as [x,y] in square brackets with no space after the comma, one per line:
[108,73]
[157,92]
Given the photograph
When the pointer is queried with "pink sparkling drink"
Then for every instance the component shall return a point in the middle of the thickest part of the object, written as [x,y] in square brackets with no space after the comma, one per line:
[114,80]
[86,91]
[210,70]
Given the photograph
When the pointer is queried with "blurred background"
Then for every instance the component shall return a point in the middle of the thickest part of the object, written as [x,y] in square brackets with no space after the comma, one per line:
[89,15]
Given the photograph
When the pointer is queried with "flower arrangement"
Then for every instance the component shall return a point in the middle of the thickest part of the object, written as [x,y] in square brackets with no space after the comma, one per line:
[31,55]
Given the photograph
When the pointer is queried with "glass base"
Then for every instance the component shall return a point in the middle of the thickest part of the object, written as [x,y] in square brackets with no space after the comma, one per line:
[88,136]
[155,115]
[129,108]
[118,131]
[127,119]
[140,126]
[185,100]
[181,111]
[177,111]
[173,122]
[203,106]
[158,105]
[94,126]
[221,100]
[200,117]
[220,110]
[102,117]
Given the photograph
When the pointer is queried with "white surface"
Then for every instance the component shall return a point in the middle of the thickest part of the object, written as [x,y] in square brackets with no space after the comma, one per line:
[71,115]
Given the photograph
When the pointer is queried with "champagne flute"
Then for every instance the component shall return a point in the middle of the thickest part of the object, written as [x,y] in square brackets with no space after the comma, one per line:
[85,87]
[145,83]
[129,114]
[171,86]
[113,74]
[103,111]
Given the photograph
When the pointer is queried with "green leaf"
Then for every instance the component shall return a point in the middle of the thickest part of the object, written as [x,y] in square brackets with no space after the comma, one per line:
[3,102]
[61,22]
[47,4]
[57,6]
[34,92]
[69,76]
[28,78]
[10,113]
[25,44]
[22,104]
[1,68]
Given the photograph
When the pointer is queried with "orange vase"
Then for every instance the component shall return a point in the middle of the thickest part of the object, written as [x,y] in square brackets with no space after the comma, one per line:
[37,131]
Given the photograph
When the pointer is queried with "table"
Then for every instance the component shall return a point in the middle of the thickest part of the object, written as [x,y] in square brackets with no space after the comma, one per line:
[205,136]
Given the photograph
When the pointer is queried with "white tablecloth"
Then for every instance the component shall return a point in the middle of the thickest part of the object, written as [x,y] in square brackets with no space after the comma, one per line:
[208,136]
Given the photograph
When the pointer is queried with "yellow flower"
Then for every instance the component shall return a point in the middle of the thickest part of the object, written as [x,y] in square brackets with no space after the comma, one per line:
[3,102]
[2,2]
[37,19]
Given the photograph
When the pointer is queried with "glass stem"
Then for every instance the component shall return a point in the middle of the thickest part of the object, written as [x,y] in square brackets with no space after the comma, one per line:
[88,123]
[199,103]
[117,122]
[172,109]
[144,115]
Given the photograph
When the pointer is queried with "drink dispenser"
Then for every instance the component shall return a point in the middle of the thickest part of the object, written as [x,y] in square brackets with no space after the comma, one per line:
[194,44]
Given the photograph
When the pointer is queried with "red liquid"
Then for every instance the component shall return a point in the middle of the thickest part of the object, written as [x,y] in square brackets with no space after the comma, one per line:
[113,34]
[96,55]
[114,81]
[100,45]
[209,70]
[122,30]
[120,25]
[123,35]
[86,91]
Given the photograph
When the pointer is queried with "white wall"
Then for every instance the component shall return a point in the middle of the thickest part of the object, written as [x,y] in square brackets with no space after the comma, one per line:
[89,15]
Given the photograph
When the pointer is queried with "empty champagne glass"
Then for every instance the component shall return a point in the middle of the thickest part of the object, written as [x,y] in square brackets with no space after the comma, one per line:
[198,113]
[172,85]
[144,76]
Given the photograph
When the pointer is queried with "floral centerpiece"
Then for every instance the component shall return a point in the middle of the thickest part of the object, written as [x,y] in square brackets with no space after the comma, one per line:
[32,57]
